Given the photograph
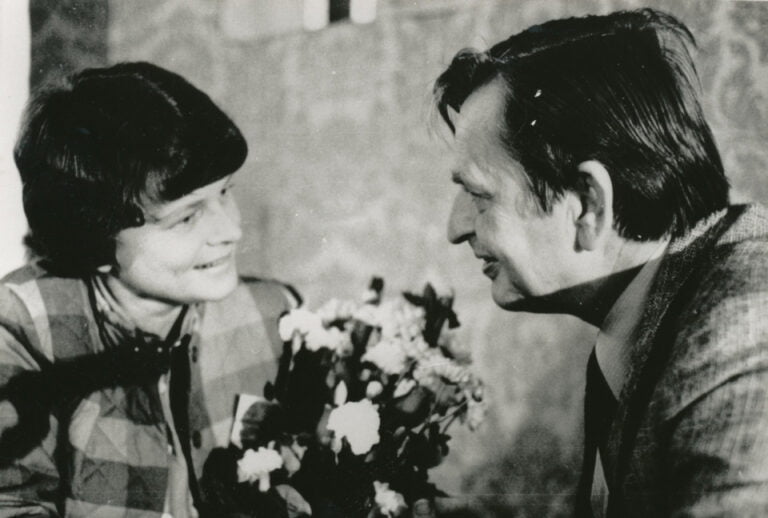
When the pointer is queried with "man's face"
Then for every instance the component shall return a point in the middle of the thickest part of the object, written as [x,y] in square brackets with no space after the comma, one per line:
[185,252]
[526,253]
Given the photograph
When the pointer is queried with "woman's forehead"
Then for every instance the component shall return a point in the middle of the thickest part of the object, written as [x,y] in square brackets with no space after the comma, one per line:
[160,210]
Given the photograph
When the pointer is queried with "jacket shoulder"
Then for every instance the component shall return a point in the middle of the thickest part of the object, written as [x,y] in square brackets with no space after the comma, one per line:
[722,329]
[272,296]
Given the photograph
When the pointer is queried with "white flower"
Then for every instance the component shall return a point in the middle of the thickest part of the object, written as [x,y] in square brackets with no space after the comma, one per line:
[336,309]
[286,327]
[434,367]
[370,295]
[368,314]
[395,318]
[398,318]
[449,341]
[416,348]
[390,502]
[476,411]
[300,321]
[256,465]
[330,338]
[388,355]
[301,324]
[358,422]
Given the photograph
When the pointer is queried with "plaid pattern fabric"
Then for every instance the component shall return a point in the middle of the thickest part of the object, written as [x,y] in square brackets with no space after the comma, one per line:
[111,456]
[690,436]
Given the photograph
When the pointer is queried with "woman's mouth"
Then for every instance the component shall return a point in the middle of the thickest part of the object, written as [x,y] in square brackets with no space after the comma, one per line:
[213,264]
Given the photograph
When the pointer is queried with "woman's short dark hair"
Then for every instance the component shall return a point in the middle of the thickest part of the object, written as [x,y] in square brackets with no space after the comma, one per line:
[92,153]
[621,89]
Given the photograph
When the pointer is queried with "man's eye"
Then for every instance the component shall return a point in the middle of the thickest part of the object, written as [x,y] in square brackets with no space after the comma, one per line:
[475,194]
[480,200]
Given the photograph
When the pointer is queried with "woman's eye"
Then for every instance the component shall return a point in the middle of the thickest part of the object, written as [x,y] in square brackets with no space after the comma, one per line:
[189,218]
[227,189]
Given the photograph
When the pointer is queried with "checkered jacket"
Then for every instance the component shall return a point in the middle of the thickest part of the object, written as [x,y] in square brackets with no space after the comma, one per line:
[109,457]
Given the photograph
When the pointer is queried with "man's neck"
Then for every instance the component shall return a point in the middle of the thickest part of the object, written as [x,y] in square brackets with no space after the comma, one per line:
[148,314]
[594,304]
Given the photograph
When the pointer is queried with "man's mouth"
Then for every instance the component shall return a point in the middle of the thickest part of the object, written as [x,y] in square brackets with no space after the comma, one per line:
[490,267]
[213,264]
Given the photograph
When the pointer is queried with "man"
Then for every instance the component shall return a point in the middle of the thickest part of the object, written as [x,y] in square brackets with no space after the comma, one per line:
[590,184]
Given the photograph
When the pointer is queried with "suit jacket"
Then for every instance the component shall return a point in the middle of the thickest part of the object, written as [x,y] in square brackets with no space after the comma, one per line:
[690,437]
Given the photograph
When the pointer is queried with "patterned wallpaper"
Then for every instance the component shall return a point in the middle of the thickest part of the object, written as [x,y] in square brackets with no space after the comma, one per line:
[345,180]
[66,36]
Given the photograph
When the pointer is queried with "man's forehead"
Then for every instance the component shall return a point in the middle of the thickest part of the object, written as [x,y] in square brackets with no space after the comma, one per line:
[480,123]
[477,142]
[482,111]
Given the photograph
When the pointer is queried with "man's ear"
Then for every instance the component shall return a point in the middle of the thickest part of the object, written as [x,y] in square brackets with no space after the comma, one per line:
[595,190]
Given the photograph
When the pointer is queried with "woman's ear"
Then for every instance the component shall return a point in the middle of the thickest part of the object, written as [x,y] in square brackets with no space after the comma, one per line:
[105,268]
[595,190]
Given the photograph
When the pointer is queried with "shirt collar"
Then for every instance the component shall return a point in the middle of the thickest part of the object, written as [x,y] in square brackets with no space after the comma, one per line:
[117,326]
[616,337]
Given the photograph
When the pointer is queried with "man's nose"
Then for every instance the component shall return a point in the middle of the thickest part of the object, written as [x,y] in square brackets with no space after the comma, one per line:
[461,220]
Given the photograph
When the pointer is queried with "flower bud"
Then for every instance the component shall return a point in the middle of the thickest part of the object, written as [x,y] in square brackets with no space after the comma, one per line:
[340,394]
[373,389]
[404,387]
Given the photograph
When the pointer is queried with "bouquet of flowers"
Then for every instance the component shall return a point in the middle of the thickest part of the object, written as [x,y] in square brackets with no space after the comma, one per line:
[357,415]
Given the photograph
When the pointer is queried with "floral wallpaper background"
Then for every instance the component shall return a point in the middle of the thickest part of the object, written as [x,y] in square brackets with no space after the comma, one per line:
[345,179]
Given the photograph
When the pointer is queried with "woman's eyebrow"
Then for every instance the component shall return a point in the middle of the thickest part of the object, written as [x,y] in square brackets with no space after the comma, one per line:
[176,212]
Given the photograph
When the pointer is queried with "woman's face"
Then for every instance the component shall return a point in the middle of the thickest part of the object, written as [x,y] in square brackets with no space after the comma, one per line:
[185,252]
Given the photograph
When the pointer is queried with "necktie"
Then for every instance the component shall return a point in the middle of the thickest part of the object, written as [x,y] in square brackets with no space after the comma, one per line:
[599,409]
[179,399]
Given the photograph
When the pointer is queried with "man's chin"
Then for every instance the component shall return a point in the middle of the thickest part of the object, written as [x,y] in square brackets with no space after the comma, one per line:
[507,299]
[515,301]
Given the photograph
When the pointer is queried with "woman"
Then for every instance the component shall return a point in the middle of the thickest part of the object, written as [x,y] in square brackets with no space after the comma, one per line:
[132,325]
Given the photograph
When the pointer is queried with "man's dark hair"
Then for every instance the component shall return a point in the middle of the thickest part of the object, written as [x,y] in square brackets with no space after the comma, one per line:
[92,153]
[621,89]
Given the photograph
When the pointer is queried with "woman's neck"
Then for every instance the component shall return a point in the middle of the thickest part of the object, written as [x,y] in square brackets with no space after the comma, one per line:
[145,313]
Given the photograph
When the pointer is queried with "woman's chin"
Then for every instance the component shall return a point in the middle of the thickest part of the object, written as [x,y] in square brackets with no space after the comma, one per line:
[213,287]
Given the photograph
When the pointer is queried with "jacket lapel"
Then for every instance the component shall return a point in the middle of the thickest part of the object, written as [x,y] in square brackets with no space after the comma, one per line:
[651,348]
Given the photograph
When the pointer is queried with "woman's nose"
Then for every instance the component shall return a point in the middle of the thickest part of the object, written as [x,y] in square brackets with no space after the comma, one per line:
[226,227]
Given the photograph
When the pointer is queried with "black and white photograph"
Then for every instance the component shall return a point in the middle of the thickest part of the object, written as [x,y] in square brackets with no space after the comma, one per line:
[383,258]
